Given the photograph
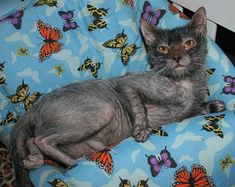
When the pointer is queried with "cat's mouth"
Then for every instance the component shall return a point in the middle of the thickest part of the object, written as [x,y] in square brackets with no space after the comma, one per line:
[179,67]
[180,64]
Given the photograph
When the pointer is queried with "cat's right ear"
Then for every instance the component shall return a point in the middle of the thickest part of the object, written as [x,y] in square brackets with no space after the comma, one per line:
[199,21]
[148,31]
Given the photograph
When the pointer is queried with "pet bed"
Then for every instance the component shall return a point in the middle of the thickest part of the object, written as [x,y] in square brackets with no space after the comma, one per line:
[198,150]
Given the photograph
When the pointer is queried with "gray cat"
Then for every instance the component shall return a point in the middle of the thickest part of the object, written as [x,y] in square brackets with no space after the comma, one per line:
[83,118]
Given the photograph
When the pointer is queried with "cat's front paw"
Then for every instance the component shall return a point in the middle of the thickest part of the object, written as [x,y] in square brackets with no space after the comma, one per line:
[141,134]
[213,106]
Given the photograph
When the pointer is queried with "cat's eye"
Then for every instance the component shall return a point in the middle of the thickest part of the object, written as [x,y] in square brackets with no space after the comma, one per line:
[163,49]
[189,44]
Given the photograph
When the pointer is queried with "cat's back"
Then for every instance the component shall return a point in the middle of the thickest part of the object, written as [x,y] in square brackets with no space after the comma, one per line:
[77,95]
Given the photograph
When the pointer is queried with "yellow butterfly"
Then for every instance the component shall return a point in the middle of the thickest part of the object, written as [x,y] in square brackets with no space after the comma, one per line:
[120,43]
[9,118]
[98,21]
[22,51]
[127,183]
[225,163]
[49,3]
[2,80]
[159,131]
[213,126]
[59,70]
[2,66]
[58,183]
[210,71]
[124,183]
[23,96]
[86,65]
[89,65]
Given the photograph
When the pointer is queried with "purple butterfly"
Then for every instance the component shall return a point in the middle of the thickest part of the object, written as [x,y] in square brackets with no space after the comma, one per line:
[164,160]
[15,19]
[150,15]
[229,88]
[68,17]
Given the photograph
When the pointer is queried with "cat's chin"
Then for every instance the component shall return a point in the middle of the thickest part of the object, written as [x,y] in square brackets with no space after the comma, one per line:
[176,72]
[179,72]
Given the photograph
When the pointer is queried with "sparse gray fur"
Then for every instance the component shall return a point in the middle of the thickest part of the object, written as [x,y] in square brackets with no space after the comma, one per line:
[83,118]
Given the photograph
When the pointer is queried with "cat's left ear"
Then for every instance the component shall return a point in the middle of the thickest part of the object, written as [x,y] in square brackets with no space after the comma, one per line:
[148,31]
[199,21]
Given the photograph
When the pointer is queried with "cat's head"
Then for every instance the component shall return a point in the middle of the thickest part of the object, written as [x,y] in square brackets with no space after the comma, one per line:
[178,52]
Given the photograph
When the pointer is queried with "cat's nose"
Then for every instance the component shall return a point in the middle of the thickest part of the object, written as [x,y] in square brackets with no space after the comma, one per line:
[177,58]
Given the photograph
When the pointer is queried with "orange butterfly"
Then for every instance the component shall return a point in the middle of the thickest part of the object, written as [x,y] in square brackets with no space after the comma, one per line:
[103,160]
[175,11]
[197,177]
[51,162]
[51,36]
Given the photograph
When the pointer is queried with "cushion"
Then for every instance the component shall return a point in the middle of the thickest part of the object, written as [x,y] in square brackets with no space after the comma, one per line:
[200,145]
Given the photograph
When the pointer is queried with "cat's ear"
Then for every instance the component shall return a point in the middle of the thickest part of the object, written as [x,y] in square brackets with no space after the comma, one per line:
[148,31]
[199,21]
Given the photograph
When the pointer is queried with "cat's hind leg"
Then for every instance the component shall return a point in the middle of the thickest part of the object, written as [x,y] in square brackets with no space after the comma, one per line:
[35,158]
[213,107]
[48,146]
[71,130]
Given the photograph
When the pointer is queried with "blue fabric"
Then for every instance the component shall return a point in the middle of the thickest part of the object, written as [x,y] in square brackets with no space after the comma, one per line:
[188,144]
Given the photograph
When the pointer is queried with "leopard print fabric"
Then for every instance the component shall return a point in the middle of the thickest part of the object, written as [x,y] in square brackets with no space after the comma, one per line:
[7,173]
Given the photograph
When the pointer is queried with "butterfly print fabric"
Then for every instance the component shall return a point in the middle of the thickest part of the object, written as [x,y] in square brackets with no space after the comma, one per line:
[157,163]
[98,14]
[197,177]
[68,18]
[159,131]
[9,118]
[50,37]
[226,162]
[128,2]
[127,183]
[120,43]
[213,125]
[51,43]
[229,87]
[174,10]
[59,70]
[50,3]
[58,182]
[15,19]
[22,51]
[152,15]
[103,160]
[2,77]
[89,65]
[22,95]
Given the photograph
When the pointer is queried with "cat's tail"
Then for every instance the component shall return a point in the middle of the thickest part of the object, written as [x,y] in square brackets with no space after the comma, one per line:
[20,133]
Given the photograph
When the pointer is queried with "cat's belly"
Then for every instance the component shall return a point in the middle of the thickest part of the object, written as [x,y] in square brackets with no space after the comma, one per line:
[114,132]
